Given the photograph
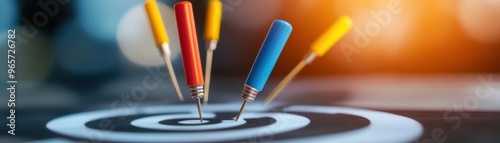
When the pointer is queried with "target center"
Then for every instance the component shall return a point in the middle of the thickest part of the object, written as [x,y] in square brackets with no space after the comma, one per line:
[193,122]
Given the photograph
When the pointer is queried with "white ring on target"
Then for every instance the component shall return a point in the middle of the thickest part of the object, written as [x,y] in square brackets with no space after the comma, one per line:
[192,122]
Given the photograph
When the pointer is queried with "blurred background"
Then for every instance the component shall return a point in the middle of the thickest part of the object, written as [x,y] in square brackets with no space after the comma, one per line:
[422,37]
[94,50]
[98,49]
[76,53]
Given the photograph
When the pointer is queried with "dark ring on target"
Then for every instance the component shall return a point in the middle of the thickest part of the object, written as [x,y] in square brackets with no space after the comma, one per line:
[177,122]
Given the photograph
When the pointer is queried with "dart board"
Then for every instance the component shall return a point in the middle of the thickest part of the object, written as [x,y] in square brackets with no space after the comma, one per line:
[280,123]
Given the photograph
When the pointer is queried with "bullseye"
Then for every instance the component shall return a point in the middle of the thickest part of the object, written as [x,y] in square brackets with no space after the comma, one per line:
[193,122]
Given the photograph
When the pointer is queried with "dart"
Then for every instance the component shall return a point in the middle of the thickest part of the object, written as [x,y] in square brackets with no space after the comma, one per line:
[212,30]
[162,41]
[190,52]
[266,59]
[331,36]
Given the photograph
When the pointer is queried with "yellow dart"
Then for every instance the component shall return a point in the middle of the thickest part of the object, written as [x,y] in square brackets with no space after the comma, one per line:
[212,32]
[331,36]
[162,41]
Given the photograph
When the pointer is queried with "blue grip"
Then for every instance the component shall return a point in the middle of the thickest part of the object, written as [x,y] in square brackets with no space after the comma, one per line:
[269,54]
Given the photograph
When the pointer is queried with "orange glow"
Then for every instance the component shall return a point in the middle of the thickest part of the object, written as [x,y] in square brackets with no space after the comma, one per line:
[391,36]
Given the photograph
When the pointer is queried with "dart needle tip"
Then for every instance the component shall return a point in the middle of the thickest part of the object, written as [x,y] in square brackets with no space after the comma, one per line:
[199,109]
[241,110]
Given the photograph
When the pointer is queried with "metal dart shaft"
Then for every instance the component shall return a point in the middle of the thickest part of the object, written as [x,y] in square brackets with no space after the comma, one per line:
[285,82]
[170,69]
[208,71]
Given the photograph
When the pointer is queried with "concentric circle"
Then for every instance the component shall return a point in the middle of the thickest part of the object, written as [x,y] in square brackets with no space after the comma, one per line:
[153,122]
[180,123]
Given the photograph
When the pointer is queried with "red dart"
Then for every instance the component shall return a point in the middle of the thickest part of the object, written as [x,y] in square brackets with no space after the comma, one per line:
[190,51]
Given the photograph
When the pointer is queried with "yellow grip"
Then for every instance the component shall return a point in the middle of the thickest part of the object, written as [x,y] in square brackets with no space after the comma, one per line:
[331,36]
[213,20]
[159,31]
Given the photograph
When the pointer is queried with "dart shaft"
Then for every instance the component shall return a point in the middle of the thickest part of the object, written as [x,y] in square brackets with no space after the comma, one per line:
[157,25]
[189,43]
[213,20]
[285,82]
[208,69]
[331,36]
[170,69]
[269,53]
[266,59]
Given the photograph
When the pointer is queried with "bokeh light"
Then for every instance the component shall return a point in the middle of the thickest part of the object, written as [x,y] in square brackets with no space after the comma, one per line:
[100,18]
[449,7]
[34,61]
[384,23]
[3,55]
[480,19]
[135,37]
[9,12]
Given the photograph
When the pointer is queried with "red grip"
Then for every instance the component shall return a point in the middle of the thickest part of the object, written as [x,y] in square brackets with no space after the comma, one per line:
[189,43]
